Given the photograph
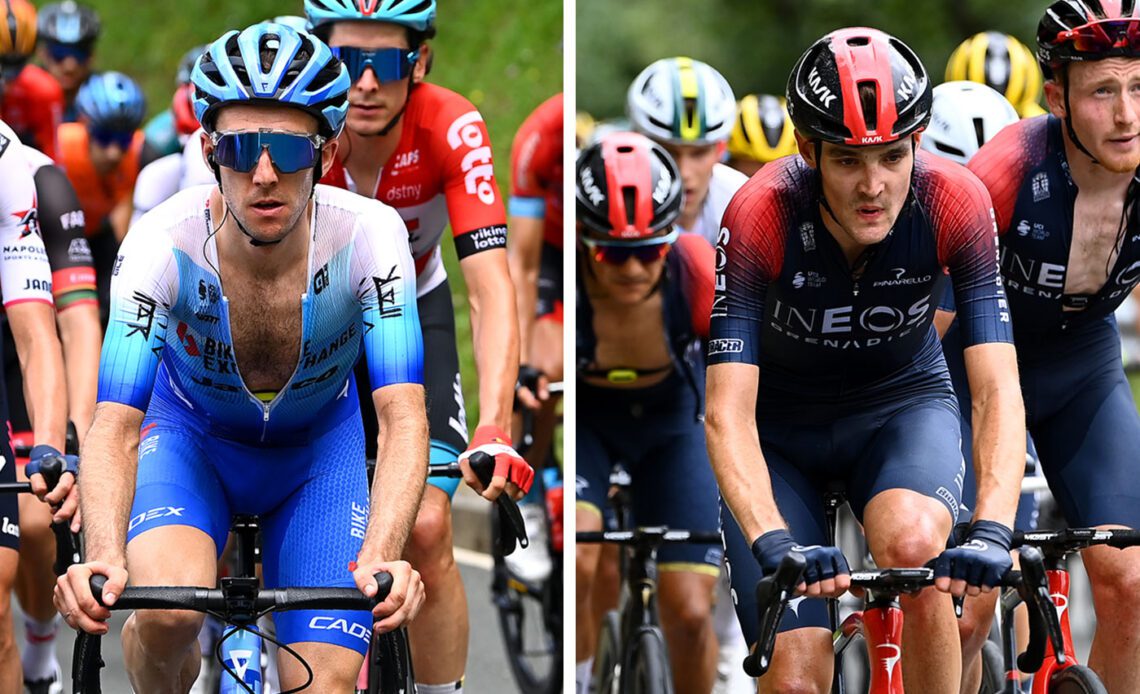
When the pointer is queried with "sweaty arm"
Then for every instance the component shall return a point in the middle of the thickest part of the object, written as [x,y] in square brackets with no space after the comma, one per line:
[748,257]
[968,246]
[524,254]
[393,348]
[141,295]
[73,287]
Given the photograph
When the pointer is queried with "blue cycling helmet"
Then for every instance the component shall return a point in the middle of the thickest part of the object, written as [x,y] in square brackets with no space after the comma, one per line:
[273,64]
[418,15]
[112,101]
[69,23]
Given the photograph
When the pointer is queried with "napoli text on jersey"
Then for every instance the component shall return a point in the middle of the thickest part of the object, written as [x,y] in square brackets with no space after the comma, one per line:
[825,334]
[170,317]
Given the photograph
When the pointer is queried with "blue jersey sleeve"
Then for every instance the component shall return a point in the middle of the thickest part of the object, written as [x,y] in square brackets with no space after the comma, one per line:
[386,288]
[143,284]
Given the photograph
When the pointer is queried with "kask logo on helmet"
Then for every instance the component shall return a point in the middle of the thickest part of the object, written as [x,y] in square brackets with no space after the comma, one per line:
[819,89]
[586,178]
[476,165]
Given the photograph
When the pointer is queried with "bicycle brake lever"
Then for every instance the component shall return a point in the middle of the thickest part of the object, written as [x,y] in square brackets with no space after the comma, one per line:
[772,595]
[511,527]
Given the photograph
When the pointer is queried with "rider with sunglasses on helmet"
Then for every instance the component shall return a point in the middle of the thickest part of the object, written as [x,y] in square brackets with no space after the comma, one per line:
[1064,191]
[102,155]
[31,102]
[688,108]
[825,366]
[644,294]
[68,32]
[216,293]
[425,150]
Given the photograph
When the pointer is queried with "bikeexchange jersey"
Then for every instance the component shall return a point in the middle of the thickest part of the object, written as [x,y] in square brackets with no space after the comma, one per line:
[441,170]
[170,327]
[536,169]
[724,184]
[827,339]
[33,107]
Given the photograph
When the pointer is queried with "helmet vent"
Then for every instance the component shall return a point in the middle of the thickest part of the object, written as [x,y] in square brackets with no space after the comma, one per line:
[979,131]
[869,100]
[629,197]
[950,149]
[858,41]
[624,149]
[270,44]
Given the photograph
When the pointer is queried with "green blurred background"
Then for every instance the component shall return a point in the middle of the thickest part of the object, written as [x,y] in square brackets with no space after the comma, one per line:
[754,44]
[503,55]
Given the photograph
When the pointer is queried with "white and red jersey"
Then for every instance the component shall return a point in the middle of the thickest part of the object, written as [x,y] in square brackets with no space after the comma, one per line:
[24,271]
[441,171]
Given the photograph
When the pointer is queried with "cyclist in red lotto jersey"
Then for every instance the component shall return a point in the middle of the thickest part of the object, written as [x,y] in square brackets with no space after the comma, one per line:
[535,255]
[1064,191]
[425,150]
[31,101]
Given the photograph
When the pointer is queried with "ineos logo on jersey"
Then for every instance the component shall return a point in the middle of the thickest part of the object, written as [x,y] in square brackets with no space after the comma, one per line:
[1030,276]
[822,91]
[476,164]
[719,310]
[833,327]
[1129,275]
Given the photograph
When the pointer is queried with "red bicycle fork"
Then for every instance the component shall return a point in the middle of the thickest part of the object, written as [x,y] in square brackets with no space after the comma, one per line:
[881,624]
[1059,593]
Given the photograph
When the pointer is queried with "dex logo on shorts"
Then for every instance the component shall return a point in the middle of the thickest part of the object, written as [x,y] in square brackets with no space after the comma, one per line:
[155,513]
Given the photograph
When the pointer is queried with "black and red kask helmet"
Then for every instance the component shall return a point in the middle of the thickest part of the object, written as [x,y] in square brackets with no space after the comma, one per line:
[859,86]
[1079,30]
[628,189]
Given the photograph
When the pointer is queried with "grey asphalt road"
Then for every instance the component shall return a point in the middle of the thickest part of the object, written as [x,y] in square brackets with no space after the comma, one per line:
[487,669]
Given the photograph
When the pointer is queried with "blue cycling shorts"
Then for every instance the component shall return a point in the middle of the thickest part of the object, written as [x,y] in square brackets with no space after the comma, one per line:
[312,501]
[655,434]
[909,445]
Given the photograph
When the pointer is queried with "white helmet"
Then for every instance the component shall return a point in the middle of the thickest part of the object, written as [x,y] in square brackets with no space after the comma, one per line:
[681,101]
[965,116]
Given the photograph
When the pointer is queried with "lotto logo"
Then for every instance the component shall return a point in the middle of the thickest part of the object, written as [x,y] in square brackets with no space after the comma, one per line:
[9,528]
[478,172]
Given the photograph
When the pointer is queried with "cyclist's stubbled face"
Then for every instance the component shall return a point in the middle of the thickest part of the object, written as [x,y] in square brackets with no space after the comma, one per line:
[696,163]
[629,283]
[1104,98]
[372,105]
[268,203]
[865,187]
[69,72]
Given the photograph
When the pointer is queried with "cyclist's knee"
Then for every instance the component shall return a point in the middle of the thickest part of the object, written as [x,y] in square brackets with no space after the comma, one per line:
[166,631]
[686,603]
[1116,584]
[791,683]
[429,548]
[913,545]
[586,571]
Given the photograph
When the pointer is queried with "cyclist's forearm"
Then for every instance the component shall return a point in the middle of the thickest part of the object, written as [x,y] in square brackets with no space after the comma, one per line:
[524,254]
[401,470]
[494,332]
[45,386]
[107,484]
[998,418]
[734,450]
[82,340]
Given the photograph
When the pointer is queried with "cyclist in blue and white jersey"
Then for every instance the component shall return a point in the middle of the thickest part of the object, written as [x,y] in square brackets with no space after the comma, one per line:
[238,311]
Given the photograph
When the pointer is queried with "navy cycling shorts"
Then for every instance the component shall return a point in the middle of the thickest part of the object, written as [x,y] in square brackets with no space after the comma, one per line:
[312,502]
[911,445]
[655,434]
[1086,427]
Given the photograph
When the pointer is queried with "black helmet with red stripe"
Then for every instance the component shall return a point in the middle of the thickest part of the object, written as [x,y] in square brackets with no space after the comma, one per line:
[859,86]
[628,189]
[1079,30]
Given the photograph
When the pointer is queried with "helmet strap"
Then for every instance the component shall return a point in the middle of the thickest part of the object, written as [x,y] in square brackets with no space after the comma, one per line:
[1069,126]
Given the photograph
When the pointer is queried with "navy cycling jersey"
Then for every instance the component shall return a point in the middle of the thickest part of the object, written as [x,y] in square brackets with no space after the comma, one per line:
[1025,169]
[788,301]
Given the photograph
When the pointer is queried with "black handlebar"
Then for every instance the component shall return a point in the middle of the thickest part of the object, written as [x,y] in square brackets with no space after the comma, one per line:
[651,536]
[773,593]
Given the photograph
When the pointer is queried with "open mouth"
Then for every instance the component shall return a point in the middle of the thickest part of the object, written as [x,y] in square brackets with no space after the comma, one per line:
[267,207]
[869,212]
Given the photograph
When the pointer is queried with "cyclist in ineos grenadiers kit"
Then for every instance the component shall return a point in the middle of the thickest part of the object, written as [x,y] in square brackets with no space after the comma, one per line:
[644,293]
[1064,190]
[825,367]
[226,380]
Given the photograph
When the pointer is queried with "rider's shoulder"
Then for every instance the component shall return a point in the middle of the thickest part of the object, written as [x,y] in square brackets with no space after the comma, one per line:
[366,213]
[34,82]
[781,183]
[441,111]
[169,219]
[1015,148]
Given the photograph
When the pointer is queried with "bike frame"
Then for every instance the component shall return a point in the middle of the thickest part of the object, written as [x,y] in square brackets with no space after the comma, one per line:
[881,624]
[1058,578]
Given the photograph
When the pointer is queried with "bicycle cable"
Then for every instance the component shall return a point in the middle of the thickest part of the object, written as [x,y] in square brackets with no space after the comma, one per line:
[271,639]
